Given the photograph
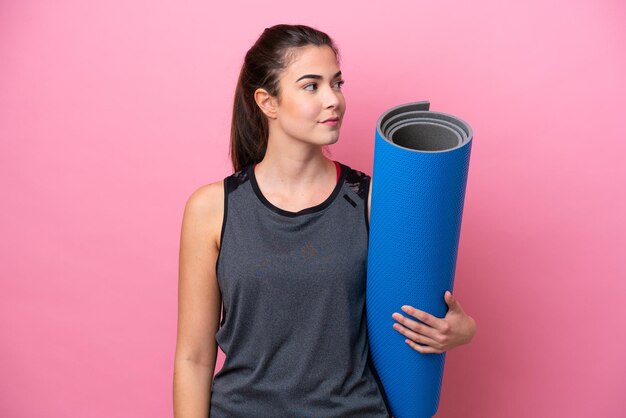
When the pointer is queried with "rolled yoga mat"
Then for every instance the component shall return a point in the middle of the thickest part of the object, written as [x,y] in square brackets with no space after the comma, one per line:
[421,161]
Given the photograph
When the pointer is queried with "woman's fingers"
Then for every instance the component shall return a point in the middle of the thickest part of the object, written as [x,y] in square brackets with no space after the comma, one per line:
[426,318]
[428,330]
[424,349]
[453,303]
[427,333]
[416,337]
[413,326]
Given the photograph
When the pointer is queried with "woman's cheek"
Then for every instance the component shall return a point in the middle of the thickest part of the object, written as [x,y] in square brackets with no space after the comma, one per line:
[310,111]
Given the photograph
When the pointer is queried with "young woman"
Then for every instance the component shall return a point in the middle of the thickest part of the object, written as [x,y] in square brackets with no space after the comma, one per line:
[282,243]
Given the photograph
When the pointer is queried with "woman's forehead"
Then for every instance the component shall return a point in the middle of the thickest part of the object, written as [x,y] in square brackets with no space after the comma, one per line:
[312,59]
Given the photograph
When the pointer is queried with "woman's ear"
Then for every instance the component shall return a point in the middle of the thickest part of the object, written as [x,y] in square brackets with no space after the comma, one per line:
[266,102]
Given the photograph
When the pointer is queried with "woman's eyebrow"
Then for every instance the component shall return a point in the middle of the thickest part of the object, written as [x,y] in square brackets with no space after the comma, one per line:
[317,77]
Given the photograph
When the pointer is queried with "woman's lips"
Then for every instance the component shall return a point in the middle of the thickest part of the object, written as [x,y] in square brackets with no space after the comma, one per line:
[331,122]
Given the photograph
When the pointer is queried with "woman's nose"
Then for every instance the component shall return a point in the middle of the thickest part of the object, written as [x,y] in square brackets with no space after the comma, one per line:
[331,98]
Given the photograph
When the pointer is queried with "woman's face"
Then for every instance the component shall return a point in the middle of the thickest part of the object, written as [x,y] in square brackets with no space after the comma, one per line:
[311,105]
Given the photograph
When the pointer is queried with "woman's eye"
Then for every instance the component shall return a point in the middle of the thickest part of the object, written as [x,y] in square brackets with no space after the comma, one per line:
[313,86]
[339,84]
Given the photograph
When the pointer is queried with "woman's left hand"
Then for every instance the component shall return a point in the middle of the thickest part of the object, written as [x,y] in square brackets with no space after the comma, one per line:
[437,335]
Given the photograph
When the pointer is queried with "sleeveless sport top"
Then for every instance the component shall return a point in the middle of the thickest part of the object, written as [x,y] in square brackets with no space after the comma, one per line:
[293,289]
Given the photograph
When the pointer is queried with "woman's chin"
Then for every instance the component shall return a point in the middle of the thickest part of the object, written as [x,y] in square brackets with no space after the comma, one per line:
[333,139]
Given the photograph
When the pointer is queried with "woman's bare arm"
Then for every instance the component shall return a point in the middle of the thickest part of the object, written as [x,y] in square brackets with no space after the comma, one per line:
[199,302]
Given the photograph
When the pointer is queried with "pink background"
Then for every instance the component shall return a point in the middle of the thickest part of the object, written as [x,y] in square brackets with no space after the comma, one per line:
[112,113]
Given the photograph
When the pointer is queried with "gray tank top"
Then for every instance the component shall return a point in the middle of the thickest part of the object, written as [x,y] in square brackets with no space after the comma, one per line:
[293,289]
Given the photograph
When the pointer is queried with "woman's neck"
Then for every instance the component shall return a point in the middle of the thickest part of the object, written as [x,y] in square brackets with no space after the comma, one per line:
[294,164]
[296,177]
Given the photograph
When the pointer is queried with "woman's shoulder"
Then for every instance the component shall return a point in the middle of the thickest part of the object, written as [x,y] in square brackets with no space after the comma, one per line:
[353,172]
[207,198]
[204,209]
[357,181]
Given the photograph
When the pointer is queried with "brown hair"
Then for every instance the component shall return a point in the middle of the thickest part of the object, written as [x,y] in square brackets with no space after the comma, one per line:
[262,66]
